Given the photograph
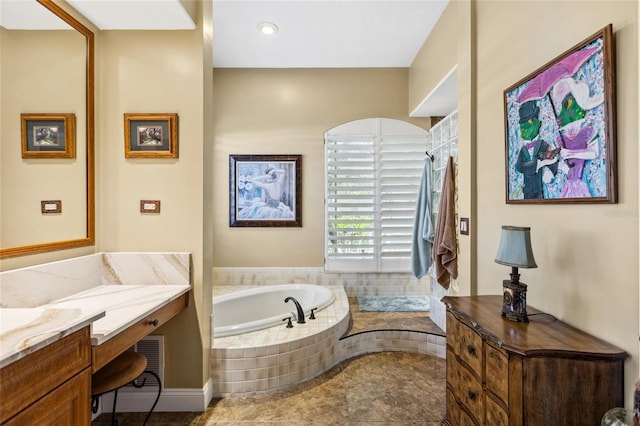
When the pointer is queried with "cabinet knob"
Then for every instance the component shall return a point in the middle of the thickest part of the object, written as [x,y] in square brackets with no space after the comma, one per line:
[471,349]
[471,394]
[154,322]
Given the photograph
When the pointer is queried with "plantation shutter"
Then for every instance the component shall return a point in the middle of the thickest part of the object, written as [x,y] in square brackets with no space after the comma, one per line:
[373,171]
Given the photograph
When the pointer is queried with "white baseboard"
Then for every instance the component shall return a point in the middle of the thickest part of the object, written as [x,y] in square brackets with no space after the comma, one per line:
[141,400]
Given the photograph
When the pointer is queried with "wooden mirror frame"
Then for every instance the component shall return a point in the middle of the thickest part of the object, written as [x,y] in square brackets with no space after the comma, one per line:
[90,174]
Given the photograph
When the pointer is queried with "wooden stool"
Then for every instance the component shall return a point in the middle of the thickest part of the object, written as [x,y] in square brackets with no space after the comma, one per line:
[125,369]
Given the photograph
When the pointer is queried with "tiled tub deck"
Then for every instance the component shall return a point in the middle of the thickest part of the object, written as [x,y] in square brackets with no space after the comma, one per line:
[277,358]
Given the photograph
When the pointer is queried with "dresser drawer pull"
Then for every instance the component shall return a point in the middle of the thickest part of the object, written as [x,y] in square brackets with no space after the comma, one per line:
[154,322]
[471,349]
[471,394]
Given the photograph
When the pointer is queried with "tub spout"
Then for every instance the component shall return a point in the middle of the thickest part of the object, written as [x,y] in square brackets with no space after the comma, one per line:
[300,316]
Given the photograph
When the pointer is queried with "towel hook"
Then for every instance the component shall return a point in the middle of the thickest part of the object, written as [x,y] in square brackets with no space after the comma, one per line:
[429,155]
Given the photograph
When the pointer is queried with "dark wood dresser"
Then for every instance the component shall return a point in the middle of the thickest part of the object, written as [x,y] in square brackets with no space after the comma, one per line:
[544,372]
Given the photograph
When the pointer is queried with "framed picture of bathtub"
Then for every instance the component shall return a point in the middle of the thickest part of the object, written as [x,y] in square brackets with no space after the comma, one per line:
[560,128]
[48,135]
[265,190]
[150,135]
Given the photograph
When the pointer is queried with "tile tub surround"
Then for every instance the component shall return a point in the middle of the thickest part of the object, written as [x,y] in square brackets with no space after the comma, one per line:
[42,303]
[278,358]
[355,284]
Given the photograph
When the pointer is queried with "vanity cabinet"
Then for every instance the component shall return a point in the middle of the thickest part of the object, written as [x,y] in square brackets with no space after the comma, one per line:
[49,386]
[544,372]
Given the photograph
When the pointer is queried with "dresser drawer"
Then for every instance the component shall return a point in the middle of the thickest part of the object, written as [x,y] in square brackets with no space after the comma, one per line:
[469,348]
[497,366]
[466,420]
[496,416]
[453,410]
[453,372]
[470,393]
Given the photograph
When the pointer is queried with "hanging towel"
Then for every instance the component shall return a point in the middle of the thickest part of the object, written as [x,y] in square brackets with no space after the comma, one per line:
[422,240]
[445,251]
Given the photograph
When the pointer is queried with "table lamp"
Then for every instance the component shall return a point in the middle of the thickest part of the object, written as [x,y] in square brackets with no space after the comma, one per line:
[515,251]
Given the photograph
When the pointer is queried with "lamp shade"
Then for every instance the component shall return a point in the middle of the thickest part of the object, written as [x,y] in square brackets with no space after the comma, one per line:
[515,247]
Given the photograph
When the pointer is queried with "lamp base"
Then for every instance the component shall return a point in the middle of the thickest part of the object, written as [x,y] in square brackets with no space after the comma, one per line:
[514,301]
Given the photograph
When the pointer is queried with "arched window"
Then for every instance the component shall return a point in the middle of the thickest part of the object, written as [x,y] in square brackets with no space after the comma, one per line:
[373,170]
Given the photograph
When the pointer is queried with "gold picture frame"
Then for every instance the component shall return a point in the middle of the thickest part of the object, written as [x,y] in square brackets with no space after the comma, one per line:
[151,135]
[48,135]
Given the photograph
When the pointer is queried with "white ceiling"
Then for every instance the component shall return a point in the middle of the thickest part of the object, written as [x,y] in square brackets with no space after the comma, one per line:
[318,34]
[28,15]
[312,33]
[135,14]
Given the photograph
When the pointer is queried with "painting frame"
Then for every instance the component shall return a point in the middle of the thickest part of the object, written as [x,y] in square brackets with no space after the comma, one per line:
[151,135]
[560,128]
[265,190]
[48,135]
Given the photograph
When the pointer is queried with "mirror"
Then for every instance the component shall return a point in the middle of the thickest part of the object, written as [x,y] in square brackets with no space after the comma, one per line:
[46,71]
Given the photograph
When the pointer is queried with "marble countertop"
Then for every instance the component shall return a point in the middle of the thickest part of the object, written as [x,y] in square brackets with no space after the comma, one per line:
[109,309]
[124,305]
[25,330]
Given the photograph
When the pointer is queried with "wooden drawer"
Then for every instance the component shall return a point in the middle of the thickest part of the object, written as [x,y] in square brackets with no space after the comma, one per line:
[466,420]
[469,348]
[453,410]
[471,394]
[28,379]
[497,367]
[67,405]
[453,372]
[496,416]
[102,354]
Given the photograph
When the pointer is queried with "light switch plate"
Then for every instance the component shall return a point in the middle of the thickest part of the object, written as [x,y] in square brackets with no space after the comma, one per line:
[464,226]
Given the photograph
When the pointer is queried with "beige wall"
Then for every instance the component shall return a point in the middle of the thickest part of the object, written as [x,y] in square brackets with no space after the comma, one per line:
[147,72]
[449,46]
[587,255]
[427,70]
[287,111]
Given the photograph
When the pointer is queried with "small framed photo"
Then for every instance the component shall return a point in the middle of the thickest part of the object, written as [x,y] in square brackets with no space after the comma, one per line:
[48,135]
[560,127]
[151,135]
[265,191]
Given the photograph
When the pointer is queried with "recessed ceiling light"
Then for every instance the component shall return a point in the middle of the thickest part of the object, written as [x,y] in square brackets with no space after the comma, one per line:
[267,28]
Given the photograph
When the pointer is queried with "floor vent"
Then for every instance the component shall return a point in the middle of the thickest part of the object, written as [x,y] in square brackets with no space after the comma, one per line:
[152,347]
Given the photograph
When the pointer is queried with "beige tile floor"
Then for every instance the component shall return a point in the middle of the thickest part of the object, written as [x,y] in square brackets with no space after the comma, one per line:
[389,388]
